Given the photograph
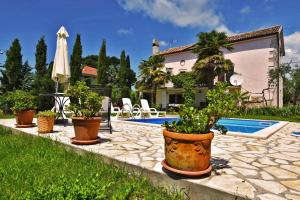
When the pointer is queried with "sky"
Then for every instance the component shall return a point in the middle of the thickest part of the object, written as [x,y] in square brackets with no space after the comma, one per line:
[131,25]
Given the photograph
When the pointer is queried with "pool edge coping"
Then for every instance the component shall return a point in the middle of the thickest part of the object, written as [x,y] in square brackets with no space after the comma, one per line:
[261,134]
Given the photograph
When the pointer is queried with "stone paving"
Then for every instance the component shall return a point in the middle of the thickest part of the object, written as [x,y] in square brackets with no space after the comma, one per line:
[266,169]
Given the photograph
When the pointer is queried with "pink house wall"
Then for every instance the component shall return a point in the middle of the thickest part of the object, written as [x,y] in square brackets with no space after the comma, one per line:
[252,59]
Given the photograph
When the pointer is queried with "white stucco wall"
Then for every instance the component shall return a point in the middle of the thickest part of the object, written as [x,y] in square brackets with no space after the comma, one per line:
[252,59]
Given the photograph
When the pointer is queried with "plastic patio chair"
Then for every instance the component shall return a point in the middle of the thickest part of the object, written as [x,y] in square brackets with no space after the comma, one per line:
[151,112]
[147,111]
[132,111]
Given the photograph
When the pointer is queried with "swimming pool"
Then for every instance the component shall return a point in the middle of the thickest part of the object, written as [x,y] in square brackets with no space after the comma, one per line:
[242,126]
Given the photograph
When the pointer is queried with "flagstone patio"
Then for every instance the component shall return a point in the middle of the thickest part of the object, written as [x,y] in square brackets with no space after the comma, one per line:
[243,167]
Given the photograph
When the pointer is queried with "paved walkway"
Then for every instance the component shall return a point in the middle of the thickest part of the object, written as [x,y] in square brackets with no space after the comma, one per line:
[267,169]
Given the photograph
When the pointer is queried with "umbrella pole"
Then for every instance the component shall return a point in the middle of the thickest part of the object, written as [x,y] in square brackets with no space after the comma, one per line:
[56,86]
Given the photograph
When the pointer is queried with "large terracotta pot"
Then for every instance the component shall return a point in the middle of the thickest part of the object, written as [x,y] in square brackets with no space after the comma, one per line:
[86,130]
[188,154]
[25,118]
[45,124]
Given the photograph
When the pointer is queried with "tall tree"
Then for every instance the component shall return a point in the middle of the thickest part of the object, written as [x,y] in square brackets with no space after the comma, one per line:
[26,77]
[102,66]
[283,72]
[152,75]
[76,59]
[41,58]
[211,61]
[122,76]
[131,77]
[12,72]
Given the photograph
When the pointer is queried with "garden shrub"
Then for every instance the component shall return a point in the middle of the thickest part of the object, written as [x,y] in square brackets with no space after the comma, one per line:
[221,103]
[21,101]
[286,111]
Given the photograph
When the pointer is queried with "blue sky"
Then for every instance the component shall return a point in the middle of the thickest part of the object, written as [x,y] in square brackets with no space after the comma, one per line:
[132,24]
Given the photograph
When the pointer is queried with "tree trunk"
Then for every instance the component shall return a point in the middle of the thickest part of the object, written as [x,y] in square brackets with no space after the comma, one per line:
[153,98]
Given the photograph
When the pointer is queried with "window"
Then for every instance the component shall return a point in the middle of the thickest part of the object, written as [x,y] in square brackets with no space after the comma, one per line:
[175,99]
[181,71]
[169,70]
[182,62]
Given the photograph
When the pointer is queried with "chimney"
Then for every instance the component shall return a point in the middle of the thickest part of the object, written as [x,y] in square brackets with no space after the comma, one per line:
[155,46]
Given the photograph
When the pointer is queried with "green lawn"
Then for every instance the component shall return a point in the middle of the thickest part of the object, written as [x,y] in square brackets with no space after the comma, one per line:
[39,168]
[6,116]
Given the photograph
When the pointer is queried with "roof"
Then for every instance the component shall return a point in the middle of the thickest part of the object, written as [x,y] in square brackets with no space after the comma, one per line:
[89,71]
[234,38]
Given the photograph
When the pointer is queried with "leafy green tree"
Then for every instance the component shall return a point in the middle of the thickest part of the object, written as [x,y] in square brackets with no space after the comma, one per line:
[41,58]
[282,72]
[131,76]
[211,61]
[296,84]
[76,59]
[152,75]
[187,81]
[90,60]
[27,77]
[102,66]
[12,72]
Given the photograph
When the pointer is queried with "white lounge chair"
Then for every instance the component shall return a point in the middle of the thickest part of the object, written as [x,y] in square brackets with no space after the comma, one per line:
[151,112]
[115,111]
[132,111]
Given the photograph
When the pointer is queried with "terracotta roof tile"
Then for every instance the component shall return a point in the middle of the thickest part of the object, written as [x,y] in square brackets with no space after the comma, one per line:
[232,39]
[89,71]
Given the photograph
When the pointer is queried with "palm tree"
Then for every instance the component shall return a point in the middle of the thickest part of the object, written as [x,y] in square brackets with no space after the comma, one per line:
[211,61]
[152,75]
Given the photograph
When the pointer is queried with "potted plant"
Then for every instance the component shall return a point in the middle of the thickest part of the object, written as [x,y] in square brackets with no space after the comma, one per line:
[85,105]
[23,104]
[188,140]
[45,121]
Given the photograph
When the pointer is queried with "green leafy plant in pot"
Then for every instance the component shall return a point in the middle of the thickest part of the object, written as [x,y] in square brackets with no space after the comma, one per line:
[85,105]
[188,140]
[45,121]
[23,105]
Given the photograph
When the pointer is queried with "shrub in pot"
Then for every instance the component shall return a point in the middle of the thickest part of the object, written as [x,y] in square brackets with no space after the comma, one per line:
[45,121]
[188,140]
[85,105]
[23,104]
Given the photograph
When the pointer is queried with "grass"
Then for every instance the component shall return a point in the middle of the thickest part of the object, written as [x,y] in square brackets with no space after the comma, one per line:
[269,117]
[7,116]
[39,168]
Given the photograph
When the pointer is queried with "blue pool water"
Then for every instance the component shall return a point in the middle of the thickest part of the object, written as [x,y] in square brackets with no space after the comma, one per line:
[234,125]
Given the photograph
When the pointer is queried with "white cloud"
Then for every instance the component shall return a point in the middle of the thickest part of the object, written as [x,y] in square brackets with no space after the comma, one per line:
[182,13]
[245,10]
[123,31]
[163,43]
[292,47]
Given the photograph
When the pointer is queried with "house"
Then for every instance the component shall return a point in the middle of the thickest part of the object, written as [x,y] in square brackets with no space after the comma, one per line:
[254,54]
[88,71]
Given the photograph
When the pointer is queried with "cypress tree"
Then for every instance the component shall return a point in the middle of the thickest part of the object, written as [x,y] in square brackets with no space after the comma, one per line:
[41,59]
[76,59]
[122,75]
[13,67]
[131,77]
[102,66]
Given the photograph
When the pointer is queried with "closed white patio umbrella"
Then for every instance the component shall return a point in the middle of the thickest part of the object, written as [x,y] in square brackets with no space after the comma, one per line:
[61,68]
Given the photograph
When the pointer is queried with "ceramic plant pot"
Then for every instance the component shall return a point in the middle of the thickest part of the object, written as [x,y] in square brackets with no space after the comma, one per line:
[187,154]
[24,118]
[45,124]
[86,130]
